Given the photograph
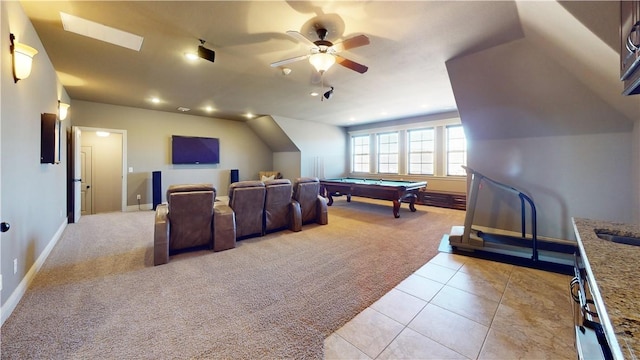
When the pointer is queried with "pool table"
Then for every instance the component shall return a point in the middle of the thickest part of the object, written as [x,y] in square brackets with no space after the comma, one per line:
[396,191]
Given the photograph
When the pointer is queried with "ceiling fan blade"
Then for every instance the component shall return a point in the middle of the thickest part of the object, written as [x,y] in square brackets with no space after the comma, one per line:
[351,64]
[351,43]
[296,35]
[288,61]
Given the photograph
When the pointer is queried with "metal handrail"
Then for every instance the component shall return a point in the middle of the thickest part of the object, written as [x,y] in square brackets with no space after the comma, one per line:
[523,198]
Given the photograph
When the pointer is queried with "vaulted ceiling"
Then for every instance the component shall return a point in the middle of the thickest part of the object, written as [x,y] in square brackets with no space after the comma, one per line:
[410,43]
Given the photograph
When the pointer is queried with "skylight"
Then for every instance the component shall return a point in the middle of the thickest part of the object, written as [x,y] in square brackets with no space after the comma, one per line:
[101,32]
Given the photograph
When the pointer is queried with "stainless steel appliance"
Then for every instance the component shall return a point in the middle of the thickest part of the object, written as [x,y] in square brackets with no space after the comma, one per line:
[591,339]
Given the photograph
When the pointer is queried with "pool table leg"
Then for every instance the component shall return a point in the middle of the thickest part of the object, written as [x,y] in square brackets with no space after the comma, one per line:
[330,202]
[412,202]
[396,208]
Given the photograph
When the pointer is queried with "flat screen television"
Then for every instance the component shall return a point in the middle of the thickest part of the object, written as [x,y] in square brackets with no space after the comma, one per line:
[194,150]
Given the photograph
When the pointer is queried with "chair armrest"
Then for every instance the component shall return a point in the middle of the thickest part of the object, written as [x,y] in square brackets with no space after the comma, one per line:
[322,211]
[161,235]
[224,227]
[295,222]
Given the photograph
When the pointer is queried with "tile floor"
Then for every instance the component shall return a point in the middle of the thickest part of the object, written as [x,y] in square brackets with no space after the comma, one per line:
[459,307]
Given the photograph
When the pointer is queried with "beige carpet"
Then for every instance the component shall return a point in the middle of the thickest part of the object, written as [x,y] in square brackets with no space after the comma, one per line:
[278,296]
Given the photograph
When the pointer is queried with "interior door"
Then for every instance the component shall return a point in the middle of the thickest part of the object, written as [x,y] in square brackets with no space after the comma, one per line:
[3,225]
[77,133]
[86,192]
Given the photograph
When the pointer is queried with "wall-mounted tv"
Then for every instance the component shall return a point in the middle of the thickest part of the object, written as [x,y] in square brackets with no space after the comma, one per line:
[194,150]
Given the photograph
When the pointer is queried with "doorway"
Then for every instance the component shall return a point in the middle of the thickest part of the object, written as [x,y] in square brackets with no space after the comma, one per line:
[99,165]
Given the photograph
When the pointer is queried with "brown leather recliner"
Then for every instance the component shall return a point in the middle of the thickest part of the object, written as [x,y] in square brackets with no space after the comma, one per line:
[313,207]
[246,198]
[278,206]
[224,227]
[186,222]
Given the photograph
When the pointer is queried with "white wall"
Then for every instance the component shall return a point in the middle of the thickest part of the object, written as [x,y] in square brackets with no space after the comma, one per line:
[566,176]
[33,195]
[148,147]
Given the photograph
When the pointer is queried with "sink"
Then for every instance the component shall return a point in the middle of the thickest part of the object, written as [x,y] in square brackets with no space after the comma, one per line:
[617,238]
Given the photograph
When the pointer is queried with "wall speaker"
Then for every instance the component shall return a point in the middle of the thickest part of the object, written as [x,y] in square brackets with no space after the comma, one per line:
[157,188]
[49,139]
[234,176]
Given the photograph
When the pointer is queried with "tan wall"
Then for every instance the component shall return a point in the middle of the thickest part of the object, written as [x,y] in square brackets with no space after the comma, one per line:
[554,139]
[322,147]
[288,163]
[107,170]
[32,195]
[148,147]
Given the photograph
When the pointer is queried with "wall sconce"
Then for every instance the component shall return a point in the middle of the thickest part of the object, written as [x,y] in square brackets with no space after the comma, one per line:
[22,59]
[63,110]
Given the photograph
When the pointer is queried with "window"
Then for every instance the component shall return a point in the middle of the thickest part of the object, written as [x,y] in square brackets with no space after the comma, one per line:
[360,151]
[456,150]
[410,150]
[421,148]
[388,153]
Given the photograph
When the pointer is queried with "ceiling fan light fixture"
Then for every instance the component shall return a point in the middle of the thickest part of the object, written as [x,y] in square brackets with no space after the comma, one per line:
[322,61]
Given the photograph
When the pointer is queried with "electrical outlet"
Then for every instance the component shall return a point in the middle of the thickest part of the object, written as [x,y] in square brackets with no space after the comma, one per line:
[15,266]
[138,197]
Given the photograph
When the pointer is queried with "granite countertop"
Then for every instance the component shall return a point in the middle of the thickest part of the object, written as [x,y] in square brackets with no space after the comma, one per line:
[614,267]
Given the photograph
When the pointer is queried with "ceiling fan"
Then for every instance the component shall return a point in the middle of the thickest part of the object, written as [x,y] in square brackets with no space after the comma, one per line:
[324,53]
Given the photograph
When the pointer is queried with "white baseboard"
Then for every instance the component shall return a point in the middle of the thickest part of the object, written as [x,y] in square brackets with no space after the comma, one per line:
[18,293]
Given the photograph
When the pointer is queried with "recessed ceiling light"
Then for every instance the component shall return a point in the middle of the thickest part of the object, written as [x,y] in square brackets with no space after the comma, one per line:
[155,100]
[313,93]
[208,109]
[100,32]
[191,56]
[249,115]
[183,109]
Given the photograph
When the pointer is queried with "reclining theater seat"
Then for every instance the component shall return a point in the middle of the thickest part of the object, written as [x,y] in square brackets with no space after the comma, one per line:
[224,227]
[313,207]
[246,198]
[278,207]
[185,222]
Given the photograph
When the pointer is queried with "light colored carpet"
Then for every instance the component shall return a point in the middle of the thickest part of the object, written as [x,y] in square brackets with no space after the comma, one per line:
[98,296]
